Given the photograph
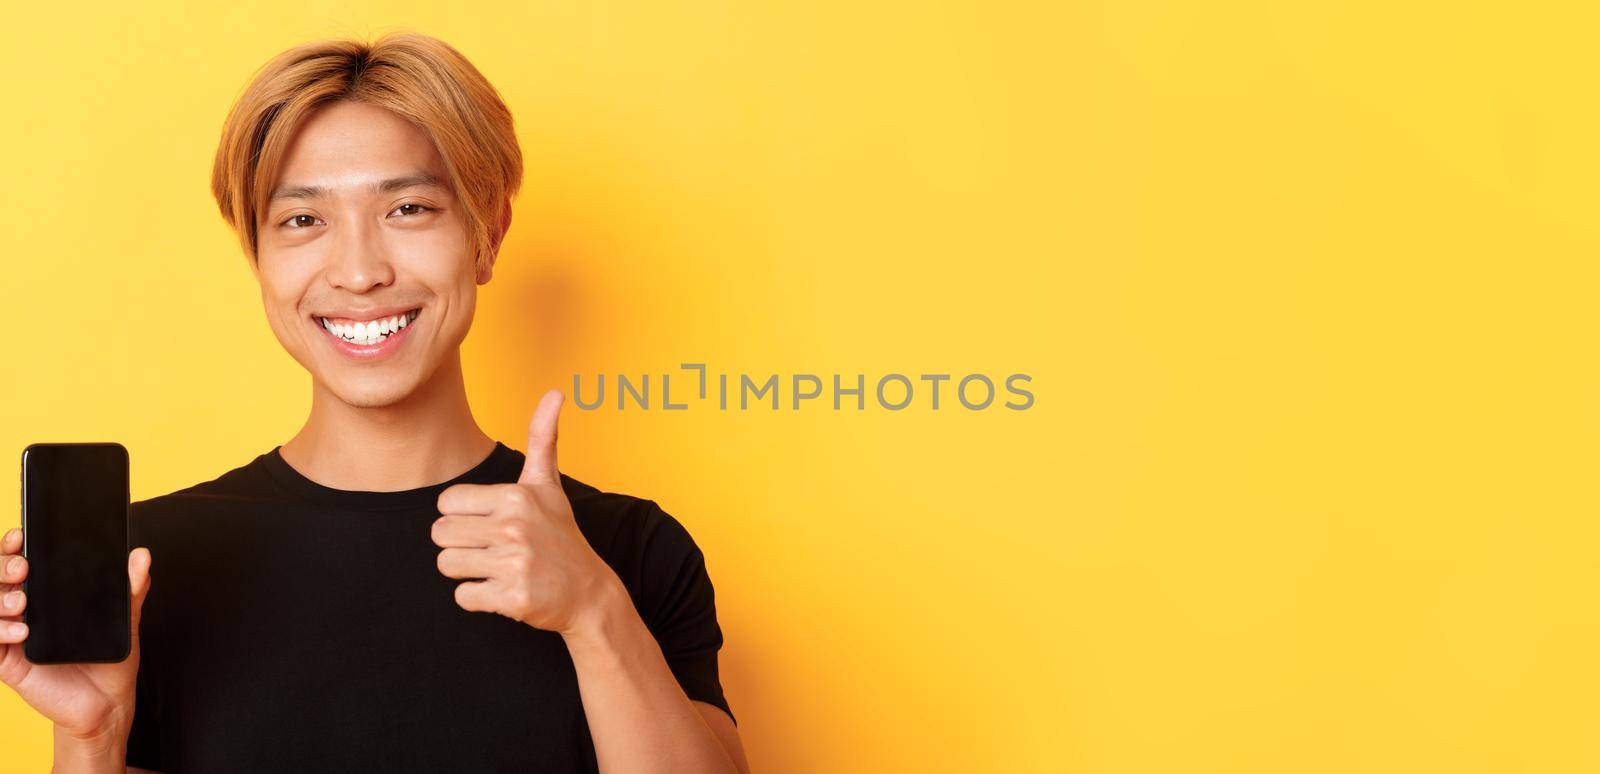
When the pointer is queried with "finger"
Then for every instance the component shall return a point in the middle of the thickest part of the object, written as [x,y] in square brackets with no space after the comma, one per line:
[476,596]
[462,532]
[12,602]
[12,542]
[13,569]
[540,466]
[471,499]
[466,563]
[13,632]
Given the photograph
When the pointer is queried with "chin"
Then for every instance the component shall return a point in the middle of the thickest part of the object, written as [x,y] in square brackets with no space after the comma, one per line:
[379,395]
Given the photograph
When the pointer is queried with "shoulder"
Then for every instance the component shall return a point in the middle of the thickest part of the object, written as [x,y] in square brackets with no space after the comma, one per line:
[148,516]
[646,546]
[612,517]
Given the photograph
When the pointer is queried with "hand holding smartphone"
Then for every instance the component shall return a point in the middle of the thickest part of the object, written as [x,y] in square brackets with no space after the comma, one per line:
[71,592]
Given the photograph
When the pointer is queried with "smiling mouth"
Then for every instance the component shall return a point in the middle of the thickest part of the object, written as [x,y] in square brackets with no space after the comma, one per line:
[368,332]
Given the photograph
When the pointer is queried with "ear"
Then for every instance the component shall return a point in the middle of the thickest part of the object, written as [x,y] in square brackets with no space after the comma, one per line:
[487,270]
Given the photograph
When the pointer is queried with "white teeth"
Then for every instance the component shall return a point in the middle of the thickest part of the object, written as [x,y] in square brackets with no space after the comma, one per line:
[372,331]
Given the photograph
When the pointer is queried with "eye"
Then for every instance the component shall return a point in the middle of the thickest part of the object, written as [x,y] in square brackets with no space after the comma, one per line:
[296,219]
[419,208]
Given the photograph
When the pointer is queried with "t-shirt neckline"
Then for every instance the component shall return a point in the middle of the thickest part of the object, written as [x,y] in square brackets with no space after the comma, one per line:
[493,467]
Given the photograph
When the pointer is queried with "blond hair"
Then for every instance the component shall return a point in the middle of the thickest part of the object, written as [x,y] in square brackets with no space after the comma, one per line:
[419,77]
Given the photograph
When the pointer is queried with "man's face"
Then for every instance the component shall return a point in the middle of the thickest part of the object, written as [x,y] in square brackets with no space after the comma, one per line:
[356,235]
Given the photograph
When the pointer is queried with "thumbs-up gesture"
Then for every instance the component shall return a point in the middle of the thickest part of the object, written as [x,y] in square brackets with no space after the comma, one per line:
[521,540]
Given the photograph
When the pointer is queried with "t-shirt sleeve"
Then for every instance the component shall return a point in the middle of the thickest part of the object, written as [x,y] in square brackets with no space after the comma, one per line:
[144,739]
[683,611]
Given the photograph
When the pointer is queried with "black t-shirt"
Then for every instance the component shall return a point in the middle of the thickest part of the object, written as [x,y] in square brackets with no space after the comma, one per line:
[295,627]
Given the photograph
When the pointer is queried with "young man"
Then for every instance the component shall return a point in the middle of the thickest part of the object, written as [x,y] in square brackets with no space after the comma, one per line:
[391,589]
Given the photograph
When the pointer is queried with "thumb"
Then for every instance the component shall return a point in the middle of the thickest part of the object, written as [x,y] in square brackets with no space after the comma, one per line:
[540,467]
[138,581]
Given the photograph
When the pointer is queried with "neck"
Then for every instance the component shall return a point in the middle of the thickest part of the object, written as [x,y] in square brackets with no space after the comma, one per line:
[427,437]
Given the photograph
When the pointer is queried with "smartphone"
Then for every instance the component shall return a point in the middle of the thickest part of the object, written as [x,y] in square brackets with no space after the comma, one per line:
[75,537]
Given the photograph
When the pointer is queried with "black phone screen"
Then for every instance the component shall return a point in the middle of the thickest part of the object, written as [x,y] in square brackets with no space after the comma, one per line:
[75,537]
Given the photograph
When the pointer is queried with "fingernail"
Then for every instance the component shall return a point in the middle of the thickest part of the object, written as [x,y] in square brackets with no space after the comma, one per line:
[13,599]
[17,629]
[15,565]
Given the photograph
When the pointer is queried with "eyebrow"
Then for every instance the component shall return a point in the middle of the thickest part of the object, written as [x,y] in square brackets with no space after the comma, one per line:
[379,187]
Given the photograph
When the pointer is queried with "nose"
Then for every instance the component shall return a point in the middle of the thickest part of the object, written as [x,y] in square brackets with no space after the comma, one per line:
[360,260]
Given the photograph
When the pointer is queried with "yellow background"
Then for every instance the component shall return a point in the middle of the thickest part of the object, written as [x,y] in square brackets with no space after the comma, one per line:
[1305,293]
